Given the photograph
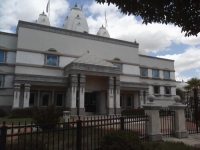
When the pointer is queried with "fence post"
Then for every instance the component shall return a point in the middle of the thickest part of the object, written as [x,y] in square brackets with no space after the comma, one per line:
[180,128]
[3,136]
[79,134]
[122,123]
[153,123]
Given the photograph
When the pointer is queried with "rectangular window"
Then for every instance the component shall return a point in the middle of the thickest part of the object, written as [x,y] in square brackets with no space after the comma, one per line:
[1,80]
[167,90]
[2,56]
[144,72]
[129,101]
[118,65]
[156,90]
[166,74]
[155,73]
[31,99]
[59,99]
[121,100]
[51,60]
[45,99]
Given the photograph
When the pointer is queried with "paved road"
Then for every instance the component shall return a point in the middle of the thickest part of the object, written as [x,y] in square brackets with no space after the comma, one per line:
[193,140]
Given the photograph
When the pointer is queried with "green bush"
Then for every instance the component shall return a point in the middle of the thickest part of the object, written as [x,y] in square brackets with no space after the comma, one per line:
[21,113]
[2,113]
[121,140]
[139,111]
[46,117]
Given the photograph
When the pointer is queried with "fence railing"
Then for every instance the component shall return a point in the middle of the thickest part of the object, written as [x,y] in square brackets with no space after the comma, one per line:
[167,122]
[191,125]
[81,134]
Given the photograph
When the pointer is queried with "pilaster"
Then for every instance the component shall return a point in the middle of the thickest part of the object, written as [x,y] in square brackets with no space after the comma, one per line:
[26,95]
[16,97]
[117,95]
[110,98]
[82,94]
[72,94]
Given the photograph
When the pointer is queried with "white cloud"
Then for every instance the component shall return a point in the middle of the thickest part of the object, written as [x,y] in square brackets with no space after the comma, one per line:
[190,59]
[28,10]
[153,37]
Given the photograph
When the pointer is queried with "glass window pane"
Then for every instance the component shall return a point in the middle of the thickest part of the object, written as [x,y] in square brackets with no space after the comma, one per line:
[59,99]
[156,89]
[155,73]
[166,74]
[45,99]
[1,56]
[144,72]
[118,65]
[52,60]
[1,80]
[121,98]
[129,101]
[31,99]
[167,90]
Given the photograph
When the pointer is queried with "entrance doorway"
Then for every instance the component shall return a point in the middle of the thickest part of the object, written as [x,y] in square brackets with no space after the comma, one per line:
[90,102]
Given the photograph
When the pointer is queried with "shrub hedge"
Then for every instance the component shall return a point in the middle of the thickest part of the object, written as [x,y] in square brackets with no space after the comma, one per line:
[21,113]
[2,113]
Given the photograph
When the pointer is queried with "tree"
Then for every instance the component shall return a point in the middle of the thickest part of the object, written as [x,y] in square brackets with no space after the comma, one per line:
[194,84]
[182,13]
[180,93]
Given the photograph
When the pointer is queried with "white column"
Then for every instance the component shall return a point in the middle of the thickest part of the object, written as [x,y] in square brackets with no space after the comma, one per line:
[117,95]
[72,92]
[26,95]
[141,98]
[82,91]
[16,96]
[110,98]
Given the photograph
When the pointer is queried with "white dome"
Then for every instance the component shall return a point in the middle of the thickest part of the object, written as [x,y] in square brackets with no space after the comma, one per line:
[103,32]
[43,19]
[181,85]
[76,20]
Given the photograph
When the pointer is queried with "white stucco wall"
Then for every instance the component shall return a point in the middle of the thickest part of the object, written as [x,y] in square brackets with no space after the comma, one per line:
[161,74]
[30,58]
[129,79]
[172,75]
[130,69]
[42,41]
[65,61]
[153,62]
[8,41]
[11,57]
[150,73]
[38,71]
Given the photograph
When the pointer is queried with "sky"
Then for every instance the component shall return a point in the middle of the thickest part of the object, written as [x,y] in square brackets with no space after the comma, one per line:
[165,41]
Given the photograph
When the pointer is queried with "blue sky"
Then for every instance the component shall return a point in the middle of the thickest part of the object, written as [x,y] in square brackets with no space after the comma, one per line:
[157,40]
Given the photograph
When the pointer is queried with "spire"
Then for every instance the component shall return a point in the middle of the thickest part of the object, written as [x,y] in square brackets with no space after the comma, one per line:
[76,5]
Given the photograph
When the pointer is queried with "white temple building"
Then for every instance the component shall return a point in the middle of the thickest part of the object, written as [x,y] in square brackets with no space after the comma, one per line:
[82,72]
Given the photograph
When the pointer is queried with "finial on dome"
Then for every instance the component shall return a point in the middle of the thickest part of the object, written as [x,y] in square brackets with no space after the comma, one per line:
[78,15]
[76,5]
[102,25]
[43,12]
[135,41]
[88,51]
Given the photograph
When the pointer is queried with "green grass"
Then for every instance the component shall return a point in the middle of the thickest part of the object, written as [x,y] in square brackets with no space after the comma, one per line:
[15,121]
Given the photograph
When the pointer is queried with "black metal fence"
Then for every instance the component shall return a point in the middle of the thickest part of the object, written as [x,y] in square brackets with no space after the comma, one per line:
[167,122]
[192,125]
[77,134]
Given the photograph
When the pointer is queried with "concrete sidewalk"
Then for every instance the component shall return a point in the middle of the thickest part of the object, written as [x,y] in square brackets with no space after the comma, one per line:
[193,140]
